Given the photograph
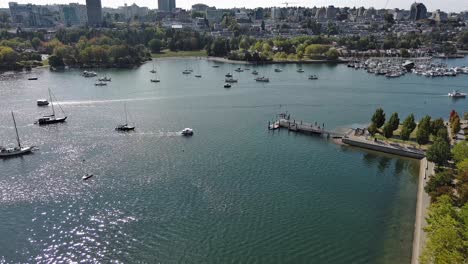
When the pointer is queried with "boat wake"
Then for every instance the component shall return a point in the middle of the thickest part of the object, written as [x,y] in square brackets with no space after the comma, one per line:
[92,102]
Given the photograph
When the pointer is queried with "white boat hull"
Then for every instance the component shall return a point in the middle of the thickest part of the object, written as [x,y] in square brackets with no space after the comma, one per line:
[15,152]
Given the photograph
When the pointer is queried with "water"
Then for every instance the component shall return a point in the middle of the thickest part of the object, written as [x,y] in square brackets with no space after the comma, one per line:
[233,192]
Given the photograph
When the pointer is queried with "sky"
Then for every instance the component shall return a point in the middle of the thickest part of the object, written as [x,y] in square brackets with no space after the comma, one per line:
[444,5]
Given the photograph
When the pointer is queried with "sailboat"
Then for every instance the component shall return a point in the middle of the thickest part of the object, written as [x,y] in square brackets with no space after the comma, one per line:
[18,150]
[153,70]
[198,75]
[156,79]
[125,127]
[51,119]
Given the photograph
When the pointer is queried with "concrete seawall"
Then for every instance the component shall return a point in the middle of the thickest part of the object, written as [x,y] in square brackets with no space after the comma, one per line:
[426,169]
[384,148]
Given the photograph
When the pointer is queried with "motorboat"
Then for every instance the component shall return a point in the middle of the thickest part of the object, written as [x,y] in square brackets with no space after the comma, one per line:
[100,84]
[313,77]
[198,76]
[456,94]
[89,74]
[32,79]
[52,119]
[229,75]
[255,72]
[87,176]
[227,85]
[186,72]
[215,66]
[300,70]
[274,126]
[15,151]
[42,102]
[187,132]
[155,80]
[126,126]
[262,79]
[239,70]
[278,70]
[105,79]
[231,80]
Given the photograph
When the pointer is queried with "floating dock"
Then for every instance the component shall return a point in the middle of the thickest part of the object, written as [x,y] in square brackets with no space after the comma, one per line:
[301,127]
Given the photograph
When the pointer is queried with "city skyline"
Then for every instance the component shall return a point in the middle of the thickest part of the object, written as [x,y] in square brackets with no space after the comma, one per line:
[448,5]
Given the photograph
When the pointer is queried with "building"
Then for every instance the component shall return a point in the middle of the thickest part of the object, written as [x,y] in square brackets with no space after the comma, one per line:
[73,14]
[330,12]
[199,8]
[418,11]
[133,11]
[94,12]
[214,15]
[29,15]
[321,14]
[439,16]
[166,5]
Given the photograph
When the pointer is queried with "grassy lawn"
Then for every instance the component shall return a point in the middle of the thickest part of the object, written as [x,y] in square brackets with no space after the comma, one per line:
[411,141]
[168,53]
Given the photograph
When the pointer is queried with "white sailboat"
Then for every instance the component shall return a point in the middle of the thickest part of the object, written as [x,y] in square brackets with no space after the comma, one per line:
[155,79]
[51,119]
[18,150]
[125,127]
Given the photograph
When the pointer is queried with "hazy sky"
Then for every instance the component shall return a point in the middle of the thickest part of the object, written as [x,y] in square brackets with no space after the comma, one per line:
[445,5]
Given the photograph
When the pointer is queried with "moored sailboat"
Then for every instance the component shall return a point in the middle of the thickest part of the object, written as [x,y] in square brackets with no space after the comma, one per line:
[18,150]
[126,126]
[52,119]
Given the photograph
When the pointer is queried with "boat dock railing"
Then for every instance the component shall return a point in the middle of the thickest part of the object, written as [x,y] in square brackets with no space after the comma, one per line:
[301,127]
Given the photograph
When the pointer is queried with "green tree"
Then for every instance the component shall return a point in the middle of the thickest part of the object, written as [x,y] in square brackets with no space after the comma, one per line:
[263,25]
[379,117]
[460,151]
[437,125]
[387,130]
[394,121]
[36,42]
[445,243]
[424,130]
[56,61]
[372,129]
[155,45]
[439,152]
[332,54]
[456,126]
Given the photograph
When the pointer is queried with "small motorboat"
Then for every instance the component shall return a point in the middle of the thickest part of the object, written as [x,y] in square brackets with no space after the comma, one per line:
[300,70]
[274,126]
[42,102]
[198,76]
[313,77]
[105,79]
[262,79]
[32,78]
[255,72]
[278,70]
[155,80]
[227,85]
[229,75]
[88,74]
[215,66]
[100,84]
[239,70]
[87,176]
[456,94]
[231,80]
[187,72]
[187,132]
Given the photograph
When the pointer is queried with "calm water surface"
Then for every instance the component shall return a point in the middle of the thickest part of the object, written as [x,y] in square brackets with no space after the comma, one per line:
[234,192]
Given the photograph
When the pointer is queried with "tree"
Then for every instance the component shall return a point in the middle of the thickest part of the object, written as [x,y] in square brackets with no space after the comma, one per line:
[387,130]
[456,126]
[379,117]
[155,45]
[445,232]
[372,129]
[389,19]
[443,134]
[460,151]
[439,152]
[394,121]
[56,61]
[36,42]
[424,130]
[404,53]
[263,25]
[437,125]
[332,54]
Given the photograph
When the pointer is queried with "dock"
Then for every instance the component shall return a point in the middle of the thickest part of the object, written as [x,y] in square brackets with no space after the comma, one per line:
[301,127]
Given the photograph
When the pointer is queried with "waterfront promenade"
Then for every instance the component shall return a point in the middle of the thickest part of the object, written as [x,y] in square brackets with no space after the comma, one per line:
[426,169]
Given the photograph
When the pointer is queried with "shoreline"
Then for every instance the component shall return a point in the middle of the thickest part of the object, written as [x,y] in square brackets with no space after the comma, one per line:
[426,169]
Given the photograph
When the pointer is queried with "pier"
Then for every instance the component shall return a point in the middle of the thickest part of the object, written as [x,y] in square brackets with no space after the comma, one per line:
[299,126]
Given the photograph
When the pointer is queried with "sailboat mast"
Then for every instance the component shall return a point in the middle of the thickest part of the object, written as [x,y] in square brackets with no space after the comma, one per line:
[125,106]
[51,103]
[16,129]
